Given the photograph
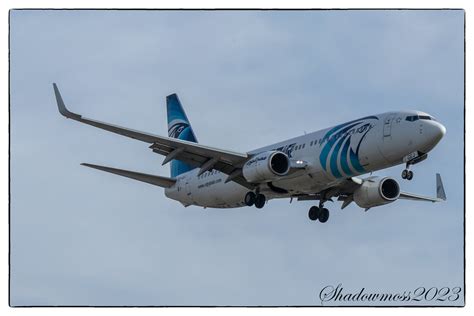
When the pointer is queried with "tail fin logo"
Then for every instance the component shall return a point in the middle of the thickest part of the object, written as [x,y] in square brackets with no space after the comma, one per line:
[177,128]
[338,156]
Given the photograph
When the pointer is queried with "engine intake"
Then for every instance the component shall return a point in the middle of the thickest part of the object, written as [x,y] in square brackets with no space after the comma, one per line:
[266,166]
[376,191]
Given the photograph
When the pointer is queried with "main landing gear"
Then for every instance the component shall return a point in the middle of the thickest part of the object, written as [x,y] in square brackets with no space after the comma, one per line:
[407,173]
[254,199]
[320,213]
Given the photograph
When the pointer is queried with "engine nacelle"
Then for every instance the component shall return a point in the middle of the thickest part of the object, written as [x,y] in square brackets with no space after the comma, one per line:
[376,191]
[266,166]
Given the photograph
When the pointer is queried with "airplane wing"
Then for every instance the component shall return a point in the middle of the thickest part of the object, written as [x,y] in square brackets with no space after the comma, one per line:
[160,181]
[345,190]
[440,194]
[204,157]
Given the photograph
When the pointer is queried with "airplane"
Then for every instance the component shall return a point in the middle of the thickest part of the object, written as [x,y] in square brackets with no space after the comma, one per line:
[319,166]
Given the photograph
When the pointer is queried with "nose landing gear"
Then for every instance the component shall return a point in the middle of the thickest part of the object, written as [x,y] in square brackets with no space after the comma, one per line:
[407,173]
[412,159]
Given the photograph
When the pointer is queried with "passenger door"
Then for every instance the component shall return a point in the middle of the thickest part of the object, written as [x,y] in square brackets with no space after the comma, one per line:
[387,126]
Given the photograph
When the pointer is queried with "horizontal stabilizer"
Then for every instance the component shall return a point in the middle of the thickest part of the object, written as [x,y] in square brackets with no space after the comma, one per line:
[163,182]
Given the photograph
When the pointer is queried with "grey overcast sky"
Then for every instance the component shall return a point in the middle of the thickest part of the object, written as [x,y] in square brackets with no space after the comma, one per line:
[246,79]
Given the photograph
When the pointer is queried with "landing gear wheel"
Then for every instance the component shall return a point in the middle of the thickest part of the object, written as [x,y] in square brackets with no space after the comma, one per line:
[260,201]
[323,215]
[250,198]
[409,175]
[404,174]
[313,213]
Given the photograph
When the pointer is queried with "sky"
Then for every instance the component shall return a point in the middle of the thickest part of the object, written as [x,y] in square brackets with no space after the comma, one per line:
[246,79]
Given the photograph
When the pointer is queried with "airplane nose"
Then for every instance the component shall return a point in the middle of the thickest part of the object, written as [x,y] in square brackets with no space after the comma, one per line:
[438,130]
[442,130]
[435,131]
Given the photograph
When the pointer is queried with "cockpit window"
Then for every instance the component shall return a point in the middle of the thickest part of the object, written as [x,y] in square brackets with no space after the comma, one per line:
[412,118]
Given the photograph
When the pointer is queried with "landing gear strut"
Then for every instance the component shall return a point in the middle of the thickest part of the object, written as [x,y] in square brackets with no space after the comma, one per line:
[407,173]
[254,199]
[320,213]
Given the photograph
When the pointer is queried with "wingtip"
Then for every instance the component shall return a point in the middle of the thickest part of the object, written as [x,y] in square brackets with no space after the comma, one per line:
[61,106]
[440,193]
[56,91]
[59,100]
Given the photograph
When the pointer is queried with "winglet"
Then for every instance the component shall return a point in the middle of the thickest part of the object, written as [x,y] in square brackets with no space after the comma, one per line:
[62,108]
[440,194]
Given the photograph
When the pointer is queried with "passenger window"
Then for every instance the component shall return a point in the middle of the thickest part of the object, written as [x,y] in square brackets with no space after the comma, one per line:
[311,144]
[304,145]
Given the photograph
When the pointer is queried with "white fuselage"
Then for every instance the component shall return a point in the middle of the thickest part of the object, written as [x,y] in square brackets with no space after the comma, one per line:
[330,155]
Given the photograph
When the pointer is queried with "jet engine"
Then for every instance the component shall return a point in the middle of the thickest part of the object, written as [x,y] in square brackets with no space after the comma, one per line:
[376,191]
[266,166]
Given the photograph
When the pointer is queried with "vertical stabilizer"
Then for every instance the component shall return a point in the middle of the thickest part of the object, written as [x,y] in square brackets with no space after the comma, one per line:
[180,128]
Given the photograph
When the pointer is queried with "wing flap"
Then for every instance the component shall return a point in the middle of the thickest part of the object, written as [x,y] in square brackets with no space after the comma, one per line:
[160,181]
